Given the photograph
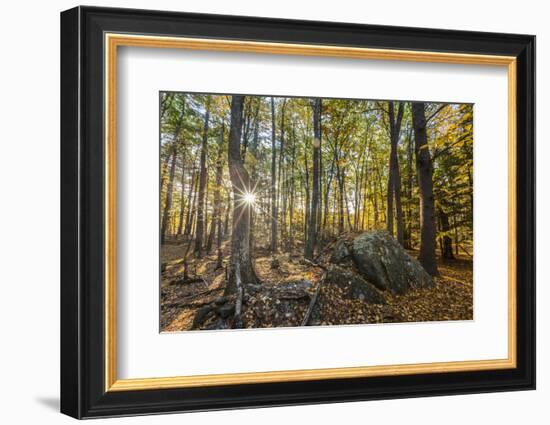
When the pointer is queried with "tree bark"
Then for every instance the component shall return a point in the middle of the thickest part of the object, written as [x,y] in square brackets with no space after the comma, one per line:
[447,241]
[182,195]
[394,179]
[424,170]
[273,246]
[191,198]
[216,220]
[202,185]
[311,241]
[241,262]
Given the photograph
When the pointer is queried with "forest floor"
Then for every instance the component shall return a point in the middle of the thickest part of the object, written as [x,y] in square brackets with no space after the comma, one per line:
[451,298]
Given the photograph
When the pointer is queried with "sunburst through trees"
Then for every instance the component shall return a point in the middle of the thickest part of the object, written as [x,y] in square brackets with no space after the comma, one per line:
[284,211]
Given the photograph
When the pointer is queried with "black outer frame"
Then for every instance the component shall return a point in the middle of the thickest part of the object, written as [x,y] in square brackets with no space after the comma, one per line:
[82,219]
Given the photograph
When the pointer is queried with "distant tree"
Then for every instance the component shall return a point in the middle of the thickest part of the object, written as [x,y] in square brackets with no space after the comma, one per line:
[173,158]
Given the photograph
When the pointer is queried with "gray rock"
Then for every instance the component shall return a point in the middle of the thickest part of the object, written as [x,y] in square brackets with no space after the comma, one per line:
[382,261]
[355,286]
[340,253]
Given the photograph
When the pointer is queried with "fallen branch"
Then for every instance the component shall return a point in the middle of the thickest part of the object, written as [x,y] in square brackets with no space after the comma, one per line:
[311,263]
[313,301]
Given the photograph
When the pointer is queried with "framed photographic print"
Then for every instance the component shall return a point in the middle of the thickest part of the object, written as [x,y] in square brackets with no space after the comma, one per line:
[261,212]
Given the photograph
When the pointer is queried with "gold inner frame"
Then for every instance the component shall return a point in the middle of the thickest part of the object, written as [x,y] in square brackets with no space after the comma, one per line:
[113,41]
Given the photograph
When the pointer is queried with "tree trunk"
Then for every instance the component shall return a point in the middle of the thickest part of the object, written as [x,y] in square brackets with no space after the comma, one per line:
[227,211]
[280,180]
[191,198]
[311,241]
[182,196]
[446,240]
[217,197]
[202,185]
[169,190]
[424,170]
[241,262]
[394,180]
[273,181]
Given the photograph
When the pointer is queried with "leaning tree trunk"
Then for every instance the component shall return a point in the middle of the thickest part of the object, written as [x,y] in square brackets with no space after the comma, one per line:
[311,241]
[199,233]
[241,268]
[424,169]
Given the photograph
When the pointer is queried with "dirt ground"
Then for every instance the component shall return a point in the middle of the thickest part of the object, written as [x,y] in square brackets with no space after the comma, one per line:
[451,298]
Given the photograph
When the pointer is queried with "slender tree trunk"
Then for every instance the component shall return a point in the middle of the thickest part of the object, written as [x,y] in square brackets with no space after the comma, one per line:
[292,189]
[312,227]
[273,181]
[219,261]
[424,171]
[280,180]
[394,180]
[216,213]
[202,185]
[182,196]
[308,197]
[227,211]
[191,198]
[217,200]
[447,241]
[168,201]
[241,268]
[408,227]
[340,178]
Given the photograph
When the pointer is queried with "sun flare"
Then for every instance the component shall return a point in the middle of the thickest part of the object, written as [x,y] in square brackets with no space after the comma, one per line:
[249,198]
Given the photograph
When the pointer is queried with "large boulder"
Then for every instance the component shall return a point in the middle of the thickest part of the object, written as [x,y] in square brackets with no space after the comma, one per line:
[340,253]
[383,262]
[355,286]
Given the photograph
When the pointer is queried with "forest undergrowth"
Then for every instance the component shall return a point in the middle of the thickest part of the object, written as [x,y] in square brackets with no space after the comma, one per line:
[451,298]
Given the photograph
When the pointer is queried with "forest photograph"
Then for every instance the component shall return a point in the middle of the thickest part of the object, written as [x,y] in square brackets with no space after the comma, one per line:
[295,211]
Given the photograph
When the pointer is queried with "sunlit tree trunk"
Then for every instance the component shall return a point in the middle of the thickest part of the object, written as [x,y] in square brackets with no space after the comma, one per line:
[241,268]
